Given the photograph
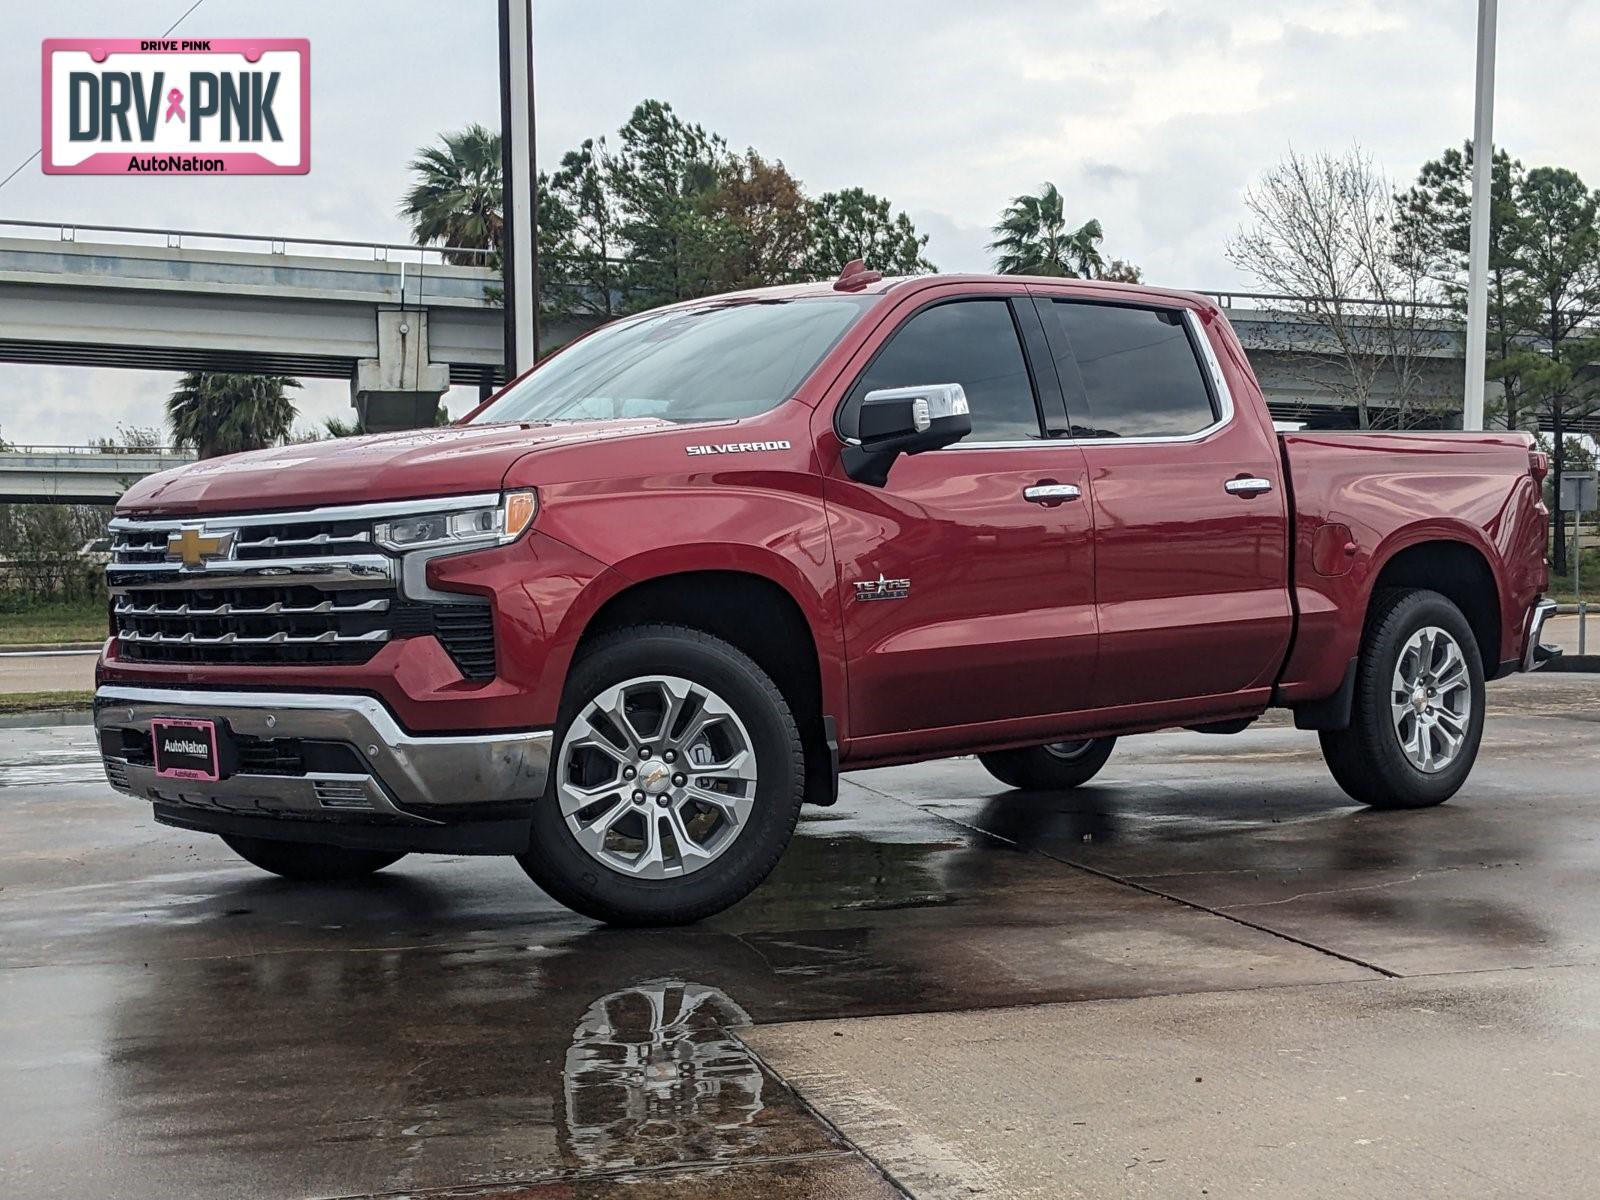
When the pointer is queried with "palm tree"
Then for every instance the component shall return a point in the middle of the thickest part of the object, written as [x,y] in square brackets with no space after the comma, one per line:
[457,199]
[219,413]
[1033,239]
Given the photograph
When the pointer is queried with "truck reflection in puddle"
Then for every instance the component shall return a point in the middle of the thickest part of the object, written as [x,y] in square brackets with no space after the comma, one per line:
[653,1077]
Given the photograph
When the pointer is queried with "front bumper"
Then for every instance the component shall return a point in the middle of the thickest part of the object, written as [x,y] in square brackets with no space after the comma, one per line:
[324,763]
[1535,655]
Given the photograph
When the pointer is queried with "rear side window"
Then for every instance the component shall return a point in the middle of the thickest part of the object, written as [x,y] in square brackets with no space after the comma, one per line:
[970,342]
[1140,373]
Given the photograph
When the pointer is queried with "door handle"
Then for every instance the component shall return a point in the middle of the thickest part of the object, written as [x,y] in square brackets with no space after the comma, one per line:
[1050,493]
[1248,487]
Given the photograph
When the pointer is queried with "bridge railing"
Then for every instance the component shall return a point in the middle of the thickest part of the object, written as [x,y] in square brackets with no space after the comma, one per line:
[1279,301]
[178,239]
[97,448]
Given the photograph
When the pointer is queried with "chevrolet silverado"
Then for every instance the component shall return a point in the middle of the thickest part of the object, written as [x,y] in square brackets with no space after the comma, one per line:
[627,616]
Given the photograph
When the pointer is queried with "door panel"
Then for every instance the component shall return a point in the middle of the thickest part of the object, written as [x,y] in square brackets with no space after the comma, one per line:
[976,602]
[1191,577]
[998,621]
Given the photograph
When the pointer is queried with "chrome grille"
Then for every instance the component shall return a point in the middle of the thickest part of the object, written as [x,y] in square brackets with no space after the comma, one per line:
[146,541]
[293,588]
[252,624]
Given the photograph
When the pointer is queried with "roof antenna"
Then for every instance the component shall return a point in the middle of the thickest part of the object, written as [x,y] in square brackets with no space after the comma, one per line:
[855,276]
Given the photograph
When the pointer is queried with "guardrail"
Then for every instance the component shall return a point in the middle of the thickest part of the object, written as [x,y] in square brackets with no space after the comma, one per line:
[1227,299]
[152,451]
[175,239]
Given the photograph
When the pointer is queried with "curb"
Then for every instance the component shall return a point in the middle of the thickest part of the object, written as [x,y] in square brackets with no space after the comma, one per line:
[1574,664]
[49,647]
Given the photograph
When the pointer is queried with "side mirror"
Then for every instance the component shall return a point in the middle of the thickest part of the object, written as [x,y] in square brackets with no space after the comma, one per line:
[909,420]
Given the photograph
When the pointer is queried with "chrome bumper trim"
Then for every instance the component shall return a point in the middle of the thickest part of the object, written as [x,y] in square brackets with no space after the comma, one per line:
[328,637]
[353,571]
[1541,612]
[297,516]
[454,772]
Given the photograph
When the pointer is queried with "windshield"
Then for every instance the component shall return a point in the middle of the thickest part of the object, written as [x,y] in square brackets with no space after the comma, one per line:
[721,361]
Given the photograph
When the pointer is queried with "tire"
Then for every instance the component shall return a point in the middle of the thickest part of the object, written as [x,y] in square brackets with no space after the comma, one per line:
[1370,759]
[619,858]
[1056,767]
[309,861]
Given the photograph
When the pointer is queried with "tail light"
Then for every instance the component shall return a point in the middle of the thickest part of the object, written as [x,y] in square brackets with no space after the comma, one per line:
[1538,465]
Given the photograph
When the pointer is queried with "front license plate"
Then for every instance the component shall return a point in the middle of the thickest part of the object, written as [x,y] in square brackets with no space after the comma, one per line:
[184,749]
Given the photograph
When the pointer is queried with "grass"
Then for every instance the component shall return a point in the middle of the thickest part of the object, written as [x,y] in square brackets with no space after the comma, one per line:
[47,623]
[28,702]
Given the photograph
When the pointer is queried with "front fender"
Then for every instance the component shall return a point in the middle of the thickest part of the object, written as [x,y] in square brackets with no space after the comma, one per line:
[766,523]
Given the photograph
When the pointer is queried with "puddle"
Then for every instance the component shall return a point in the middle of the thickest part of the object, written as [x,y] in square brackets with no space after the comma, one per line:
[653,1077]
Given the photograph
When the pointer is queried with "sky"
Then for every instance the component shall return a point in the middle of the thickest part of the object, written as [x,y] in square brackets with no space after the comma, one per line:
[1153,117]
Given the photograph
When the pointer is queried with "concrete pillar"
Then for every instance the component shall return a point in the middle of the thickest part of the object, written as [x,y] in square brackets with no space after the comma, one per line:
[401,388]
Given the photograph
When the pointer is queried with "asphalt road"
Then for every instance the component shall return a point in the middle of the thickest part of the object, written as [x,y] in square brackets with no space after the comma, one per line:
[1206,973]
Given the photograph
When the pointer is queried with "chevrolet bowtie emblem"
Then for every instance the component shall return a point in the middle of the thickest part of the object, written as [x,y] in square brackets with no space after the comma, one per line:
[193,547]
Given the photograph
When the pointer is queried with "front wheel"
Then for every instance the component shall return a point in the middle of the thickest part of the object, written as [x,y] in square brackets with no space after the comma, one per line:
[308,861]
[1053,767]
[676,782]
[1417,716]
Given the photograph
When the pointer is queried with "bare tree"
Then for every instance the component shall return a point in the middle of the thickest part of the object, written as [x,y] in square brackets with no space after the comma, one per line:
[1324,233]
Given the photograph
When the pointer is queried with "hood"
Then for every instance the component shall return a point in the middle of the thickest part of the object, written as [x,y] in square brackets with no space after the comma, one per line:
[409,465]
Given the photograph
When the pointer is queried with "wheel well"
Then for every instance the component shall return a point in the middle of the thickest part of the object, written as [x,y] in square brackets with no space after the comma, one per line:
[754,614]
[1460,573]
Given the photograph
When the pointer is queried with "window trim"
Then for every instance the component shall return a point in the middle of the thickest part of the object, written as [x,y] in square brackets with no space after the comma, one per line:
[1010,300]
[1221,395]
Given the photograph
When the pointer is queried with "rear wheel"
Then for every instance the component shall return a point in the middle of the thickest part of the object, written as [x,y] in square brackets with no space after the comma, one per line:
[310,861]
[676,783]
[1055,766]
[1417,716]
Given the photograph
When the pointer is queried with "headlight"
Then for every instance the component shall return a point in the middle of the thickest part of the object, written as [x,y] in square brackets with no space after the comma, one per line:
[464,528]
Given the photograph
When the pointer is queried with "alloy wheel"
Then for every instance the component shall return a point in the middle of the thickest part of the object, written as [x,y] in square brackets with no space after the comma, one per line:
[1431,699]
[656,777]
[1069,751]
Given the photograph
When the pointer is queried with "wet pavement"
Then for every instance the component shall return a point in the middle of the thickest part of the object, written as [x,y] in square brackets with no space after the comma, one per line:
[174,1023]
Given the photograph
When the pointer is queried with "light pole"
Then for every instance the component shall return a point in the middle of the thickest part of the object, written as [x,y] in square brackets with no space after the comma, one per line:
[519,183]
[1482,190]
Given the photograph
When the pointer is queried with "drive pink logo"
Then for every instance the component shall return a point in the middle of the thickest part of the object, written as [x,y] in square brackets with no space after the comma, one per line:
[196,106]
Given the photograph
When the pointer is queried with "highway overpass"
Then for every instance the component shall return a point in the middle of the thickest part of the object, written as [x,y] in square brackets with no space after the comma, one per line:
[77,474]
[397,322]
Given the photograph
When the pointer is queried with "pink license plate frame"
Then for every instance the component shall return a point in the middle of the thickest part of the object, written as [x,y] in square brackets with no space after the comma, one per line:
[166,770]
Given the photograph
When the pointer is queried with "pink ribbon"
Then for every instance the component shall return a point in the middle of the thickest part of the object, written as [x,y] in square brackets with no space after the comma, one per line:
[175,105]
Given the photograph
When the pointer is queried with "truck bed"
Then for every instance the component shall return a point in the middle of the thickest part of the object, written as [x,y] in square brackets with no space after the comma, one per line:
[1362,499]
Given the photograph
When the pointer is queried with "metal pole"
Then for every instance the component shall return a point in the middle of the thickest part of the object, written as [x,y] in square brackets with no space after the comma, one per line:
[519,180]
[1478,257]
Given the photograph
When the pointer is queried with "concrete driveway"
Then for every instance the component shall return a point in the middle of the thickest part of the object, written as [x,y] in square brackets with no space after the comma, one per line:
[1206,973]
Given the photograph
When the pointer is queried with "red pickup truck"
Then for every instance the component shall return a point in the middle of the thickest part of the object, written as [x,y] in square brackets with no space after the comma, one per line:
[626,617]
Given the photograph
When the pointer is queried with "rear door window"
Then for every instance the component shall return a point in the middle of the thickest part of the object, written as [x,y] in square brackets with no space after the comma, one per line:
[970,342]
[1140,373]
